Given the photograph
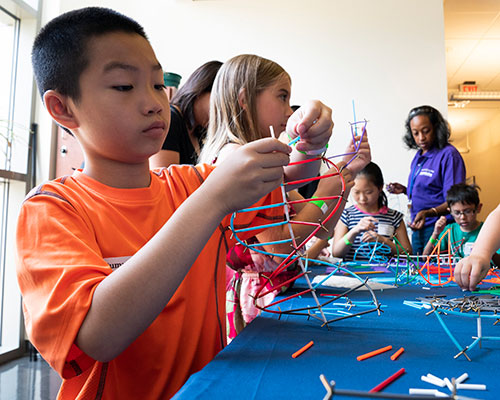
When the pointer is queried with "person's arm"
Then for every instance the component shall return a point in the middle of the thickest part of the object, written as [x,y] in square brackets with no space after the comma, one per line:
[339,247]
[438,228]
[322,191]
[121,308]
[472,270]
[164,158]
[402,236]
[419,220]
[343,238]
[316,248]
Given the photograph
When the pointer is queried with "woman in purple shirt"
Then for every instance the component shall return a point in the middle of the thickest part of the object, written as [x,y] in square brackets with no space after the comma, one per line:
[435,168]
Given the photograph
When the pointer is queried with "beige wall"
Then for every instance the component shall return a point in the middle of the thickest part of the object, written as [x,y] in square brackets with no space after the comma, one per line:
[482,159]
[386,55]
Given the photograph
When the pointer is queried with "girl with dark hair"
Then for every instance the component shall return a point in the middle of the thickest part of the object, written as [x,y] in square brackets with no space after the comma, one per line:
[436,167]
[189,111]
[369,220]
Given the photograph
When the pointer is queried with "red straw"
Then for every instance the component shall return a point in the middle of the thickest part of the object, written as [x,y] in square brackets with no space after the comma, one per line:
[397,354]
[374,353]
[300,351]
[388,381]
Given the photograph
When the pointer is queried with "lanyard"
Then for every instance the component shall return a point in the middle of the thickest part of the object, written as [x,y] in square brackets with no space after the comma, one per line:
[413,175]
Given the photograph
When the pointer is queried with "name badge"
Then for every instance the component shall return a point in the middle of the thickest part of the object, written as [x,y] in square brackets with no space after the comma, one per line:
[385,230]
[468,248]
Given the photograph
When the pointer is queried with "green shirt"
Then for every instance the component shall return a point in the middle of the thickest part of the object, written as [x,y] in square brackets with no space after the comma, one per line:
[461,242]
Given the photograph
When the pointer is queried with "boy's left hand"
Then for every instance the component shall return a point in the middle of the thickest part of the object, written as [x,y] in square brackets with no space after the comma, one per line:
[313,123]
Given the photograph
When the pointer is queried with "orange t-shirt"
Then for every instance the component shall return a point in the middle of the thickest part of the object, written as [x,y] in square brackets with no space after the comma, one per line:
[72,233]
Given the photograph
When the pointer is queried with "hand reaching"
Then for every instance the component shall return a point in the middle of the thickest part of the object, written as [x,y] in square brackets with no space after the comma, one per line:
[471,270]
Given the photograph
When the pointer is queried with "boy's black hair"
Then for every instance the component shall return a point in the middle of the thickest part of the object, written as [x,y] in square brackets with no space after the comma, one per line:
[439,125]
[198,83]
[59,54]
[463,193]
[374,174]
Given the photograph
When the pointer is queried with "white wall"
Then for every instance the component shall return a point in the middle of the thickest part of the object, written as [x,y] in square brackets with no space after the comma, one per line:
[386,55]
[482,162]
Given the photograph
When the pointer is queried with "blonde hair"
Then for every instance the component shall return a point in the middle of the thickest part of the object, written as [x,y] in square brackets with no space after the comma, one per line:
[229,121]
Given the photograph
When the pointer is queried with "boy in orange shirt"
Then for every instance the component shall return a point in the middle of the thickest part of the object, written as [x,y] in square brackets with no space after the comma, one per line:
[122,268]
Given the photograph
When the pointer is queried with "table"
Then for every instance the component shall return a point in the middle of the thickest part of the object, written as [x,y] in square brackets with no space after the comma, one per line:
[258,363]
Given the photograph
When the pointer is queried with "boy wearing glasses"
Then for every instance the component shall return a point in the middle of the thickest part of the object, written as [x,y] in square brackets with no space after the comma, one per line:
[463,204]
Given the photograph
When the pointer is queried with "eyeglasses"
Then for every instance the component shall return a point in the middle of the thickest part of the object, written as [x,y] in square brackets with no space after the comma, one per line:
[467,212]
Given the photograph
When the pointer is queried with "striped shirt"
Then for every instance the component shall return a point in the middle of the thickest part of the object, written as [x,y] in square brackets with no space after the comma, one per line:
[388,220]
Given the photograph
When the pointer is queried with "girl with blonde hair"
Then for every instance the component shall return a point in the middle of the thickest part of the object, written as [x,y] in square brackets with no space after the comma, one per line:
[251,96]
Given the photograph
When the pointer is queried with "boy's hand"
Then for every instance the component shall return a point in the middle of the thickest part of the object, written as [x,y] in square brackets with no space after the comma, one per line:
[471,270]
[439,226]
[362,158]
[313,123]
[248,174]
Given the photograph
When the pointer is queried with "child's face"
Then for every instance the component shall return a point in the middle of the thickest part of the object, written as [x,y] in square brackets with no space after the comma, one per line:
[201,109]
[123,113]
[365,193]
[423,132]
[273,107]
[465,215]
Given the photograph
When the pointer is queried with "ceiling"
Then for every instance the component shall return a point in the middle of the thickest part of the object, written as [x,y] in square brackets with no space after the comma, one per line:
[472,40]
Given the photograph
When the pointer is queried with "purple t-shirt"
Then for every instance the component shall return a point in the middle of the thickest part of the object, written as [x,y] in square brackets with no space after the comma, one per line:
[431,176]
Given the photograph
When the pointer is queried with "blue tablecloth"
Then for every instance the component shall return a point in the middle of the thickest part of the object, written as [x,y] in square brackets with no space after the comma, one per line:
[258,363]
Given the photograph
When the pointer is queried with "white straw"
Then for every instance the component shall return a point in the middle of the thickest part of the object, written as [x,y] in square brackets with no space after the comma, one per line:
[433,381]
[448,384]
[429,392]
[441,382]
[462,378]
[471,386]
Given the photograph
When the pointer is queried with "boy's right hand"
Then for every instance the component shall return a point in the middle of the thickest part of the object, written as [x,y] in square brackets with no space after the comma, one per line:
[247,174]
[439,226]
